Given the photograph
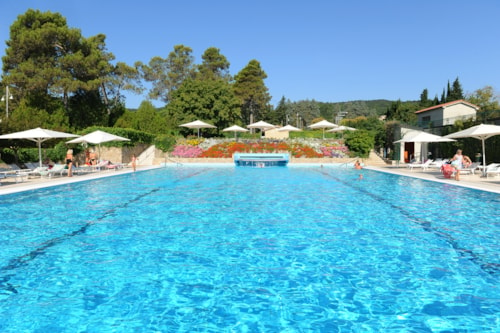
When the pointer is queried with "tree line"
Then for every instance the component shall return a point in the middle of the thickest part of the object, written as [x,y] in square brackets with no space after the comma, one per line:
[66,81]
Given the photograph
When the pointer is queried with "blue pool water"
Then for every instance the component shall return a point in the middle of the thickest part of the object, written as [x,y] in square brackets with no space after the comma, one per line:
[204,249]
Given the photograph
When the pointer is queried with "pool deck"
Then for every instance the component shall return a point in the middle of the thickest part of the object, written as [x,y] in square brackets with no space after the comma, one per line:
[476,181]
[490,184]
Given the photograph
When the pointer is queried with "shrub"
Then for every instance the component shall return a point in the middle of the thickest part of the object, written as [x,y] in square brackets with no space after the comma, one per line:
[187,151]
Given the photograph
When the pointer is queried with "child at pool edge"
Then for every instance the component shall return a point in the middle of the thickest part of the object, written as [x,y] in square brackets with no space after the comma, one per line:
[357,165]
[133,162]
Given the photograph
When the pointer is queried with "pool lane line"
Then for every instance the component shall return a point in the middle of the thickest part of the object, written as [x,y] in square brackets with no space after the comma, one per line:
[488,267]
[25,259]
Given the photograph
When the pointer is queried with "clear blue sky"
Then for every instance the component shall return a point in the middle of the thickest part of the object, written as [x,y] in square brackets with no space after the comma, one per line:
[328,50]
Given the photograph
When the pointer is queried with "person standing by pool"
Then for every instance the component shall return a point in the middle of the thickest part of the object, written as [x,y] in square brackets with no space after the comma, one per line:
[133,162]
[69,161]
[357,165]
[456,163]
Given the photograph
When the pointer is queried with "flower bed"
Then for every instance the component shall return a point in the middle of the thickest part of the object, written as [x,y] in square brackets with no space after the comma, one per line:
[226,149]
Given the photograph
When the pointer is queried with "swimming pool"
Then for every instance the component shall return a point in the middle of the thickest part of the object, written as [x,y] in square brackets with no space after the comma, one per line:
[225,249]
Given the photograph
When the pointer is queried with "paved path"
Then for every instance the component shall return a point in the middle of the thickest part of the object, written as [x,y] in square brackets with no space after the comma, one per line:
[490,184]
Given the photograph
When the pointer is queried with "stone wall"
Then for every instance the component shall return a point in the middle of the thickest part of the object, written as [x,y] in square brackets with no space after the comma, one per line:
[114,154]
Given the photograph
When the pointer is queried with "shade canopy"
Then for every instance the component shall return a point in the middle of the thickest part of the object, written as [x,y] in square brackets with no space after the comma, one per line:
[480,132]
[197,124]
[38,135]
[323,124]
[420,136]
[261,125]
[342,128]
[289,128]
[235,129]
[98,137]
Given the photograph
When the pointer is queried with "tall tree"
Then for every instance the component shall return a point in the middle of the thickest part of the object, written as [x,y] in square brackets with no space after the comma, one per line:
[253,94]
[487,101]
[404,112]
[424,99]
[307,110]
[443,97]
[46,61]
[456,92]
[167,74]
[214,65]
[212,101]
[280,115]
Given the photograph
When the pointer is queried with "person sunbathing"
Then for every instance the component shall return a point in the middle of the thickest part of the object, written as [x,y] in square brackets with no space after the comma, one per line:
[466,162]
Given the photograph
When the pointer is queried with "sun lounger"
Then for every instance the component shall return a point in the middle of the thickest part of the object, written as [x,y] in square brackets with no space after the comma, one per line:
[437,164]
[424,165]
[57,169]
[38,171]
[82,169]
[492,169]
[102,165]
[470,169]
[12,174]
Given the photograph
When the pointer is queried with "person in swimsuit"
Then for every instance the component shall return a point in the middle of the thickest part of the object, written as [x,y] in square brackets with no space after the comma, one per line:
[69,161]
[456,163]
[134,162]
[466,161]
[93,157]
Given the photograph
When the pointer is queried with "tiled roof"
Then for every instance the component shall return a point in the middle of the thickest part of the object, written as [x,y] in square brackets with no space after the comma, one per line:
[444,105]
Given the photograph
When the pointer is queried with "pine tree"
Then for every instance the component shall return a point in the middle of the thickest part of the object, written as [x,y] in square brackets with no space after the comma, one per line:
[249,87]
[456,92]
[424,99]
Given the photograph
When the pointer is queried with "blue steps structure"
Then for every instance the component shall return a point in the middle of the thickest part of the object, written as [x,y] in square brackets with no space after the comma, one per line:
[261,160]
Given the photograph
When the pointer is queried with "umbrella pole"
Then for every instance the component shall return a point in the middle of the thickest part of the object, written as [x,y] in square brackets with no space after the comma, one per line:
[484,161]
[40,153]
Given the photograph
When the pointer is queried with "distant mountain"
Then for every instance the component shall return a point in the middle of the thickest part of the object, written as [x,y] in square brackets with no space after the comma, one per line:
[354,109]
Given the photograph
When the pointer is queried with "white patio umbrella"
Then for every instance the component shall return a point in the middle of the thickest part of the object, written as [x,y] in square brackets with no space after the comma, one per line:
[422,137]
[235,129]
[38,135]
[342,128]
[98,137]
[289,128]
[323,124]
[262,125]
[198,124]
[480,132]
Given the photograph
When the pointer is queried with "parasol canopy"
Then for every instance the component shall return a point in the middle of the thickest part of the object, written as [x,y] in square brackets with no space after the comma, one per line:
[480,132]
[323,124]
[98,137]
[197,124]
[38,135]
[235,129]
